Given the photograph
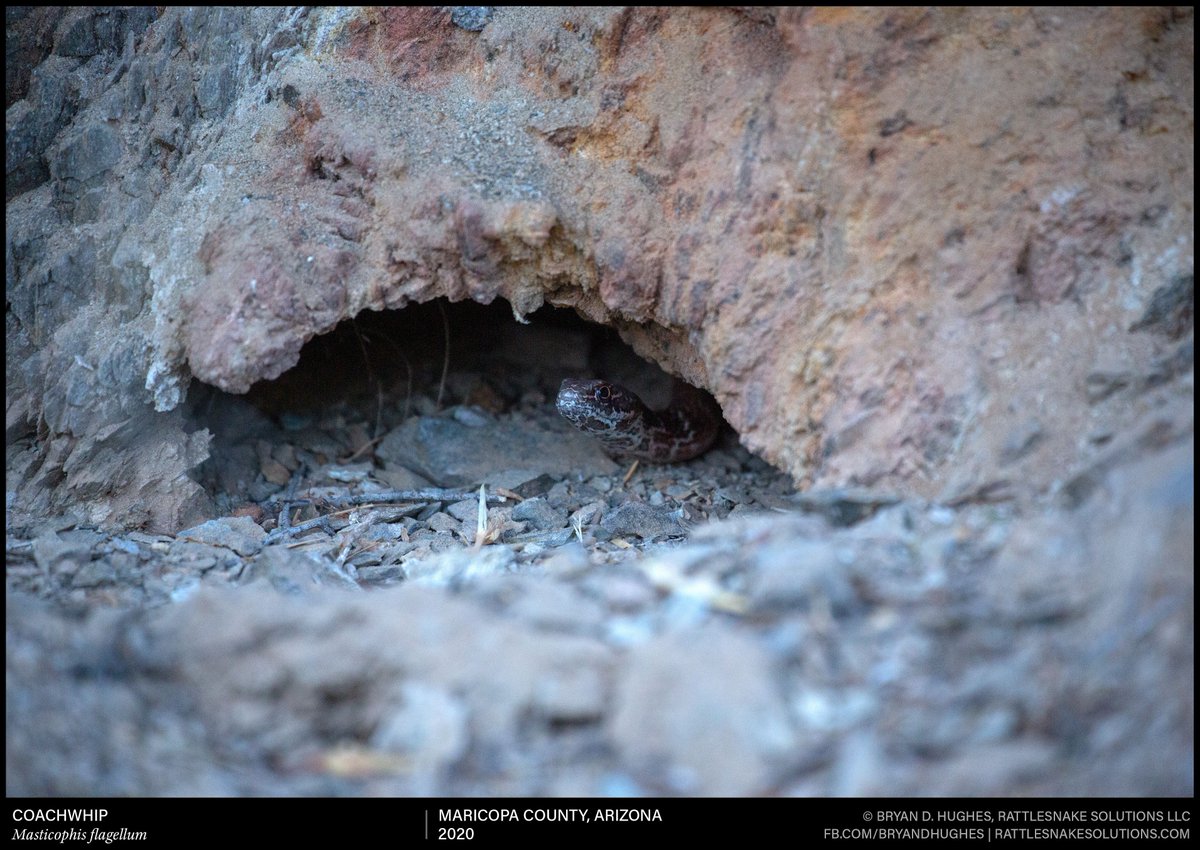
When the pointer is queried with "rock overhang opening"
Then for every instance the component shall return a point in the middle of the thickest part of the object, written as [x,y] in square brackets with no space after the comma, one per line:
[375,395]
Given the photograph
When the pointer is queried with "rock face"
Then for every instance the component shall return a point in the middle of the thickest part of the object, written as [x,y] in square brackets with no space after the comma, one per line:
[937,265]
[945,252]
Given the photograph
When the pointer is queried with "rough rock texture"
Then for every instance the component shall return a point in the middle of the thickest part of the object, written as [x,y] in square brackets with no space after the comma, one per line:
[945,252]
[936,265]
[921,650]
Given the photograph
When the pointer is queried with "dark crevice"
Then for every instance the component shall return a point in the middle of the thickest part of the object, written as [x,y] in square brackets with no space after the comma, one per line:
[371,373]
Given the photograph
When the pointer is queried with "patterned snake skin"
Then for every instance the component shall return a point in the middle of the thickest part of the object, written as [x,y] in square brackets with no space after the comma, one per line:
[628,428]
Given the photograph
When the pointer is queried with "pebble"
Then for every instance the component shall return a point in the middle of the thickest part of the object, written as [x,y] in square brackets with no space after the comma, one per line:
[642,520]
[472,18]
[540,514]
[241,534]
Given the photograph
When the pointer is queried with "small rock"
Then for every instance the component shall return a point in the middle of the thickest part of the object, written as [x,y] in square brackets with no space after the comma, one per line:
[198,557]
[452,454]
[642,520]
[472,18]
[443,523]
[538,513]
[53,551]
[399,478]
[274,471]
[466,510]
[241,534]
[348,474]
[539,486]
[586,515]
[539,541]
[511,479]
[390,574]
[293,572]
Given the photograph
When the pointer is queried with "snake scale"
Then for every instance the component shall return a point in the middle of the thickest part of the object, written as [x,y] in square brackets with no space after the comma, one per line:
[626,427]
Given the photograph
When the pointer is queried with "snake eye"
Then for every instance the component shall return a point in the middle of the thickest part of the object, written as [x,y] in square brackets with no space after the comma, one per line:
[603,393]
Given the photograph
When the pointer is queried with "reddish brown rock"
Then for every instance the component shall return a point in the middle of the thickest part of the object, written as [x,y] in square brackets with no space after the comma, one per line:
[892,243]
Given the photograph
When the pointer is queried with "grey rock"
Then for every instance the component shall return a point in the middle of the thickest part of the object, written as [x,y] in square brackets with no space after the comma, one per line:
[28,41]
[586,515]
[511,479]
[399,478]
[539,513]
[472,18]
[294,572]
[25,141]
[241,534]
[390,574]
[452,454]
[54,552]
[99,29]
[1178,362]
[89,154]
[196,558]
[442,523]
[1171,310]
[535,542]
[539,486]
[80,38]
[215,90]
[642,520]
[467,511]
[84,540]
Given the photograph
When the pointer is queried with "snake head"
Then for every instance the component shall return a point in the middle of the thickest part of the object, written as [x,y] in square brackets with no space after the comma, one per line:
[600,408]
